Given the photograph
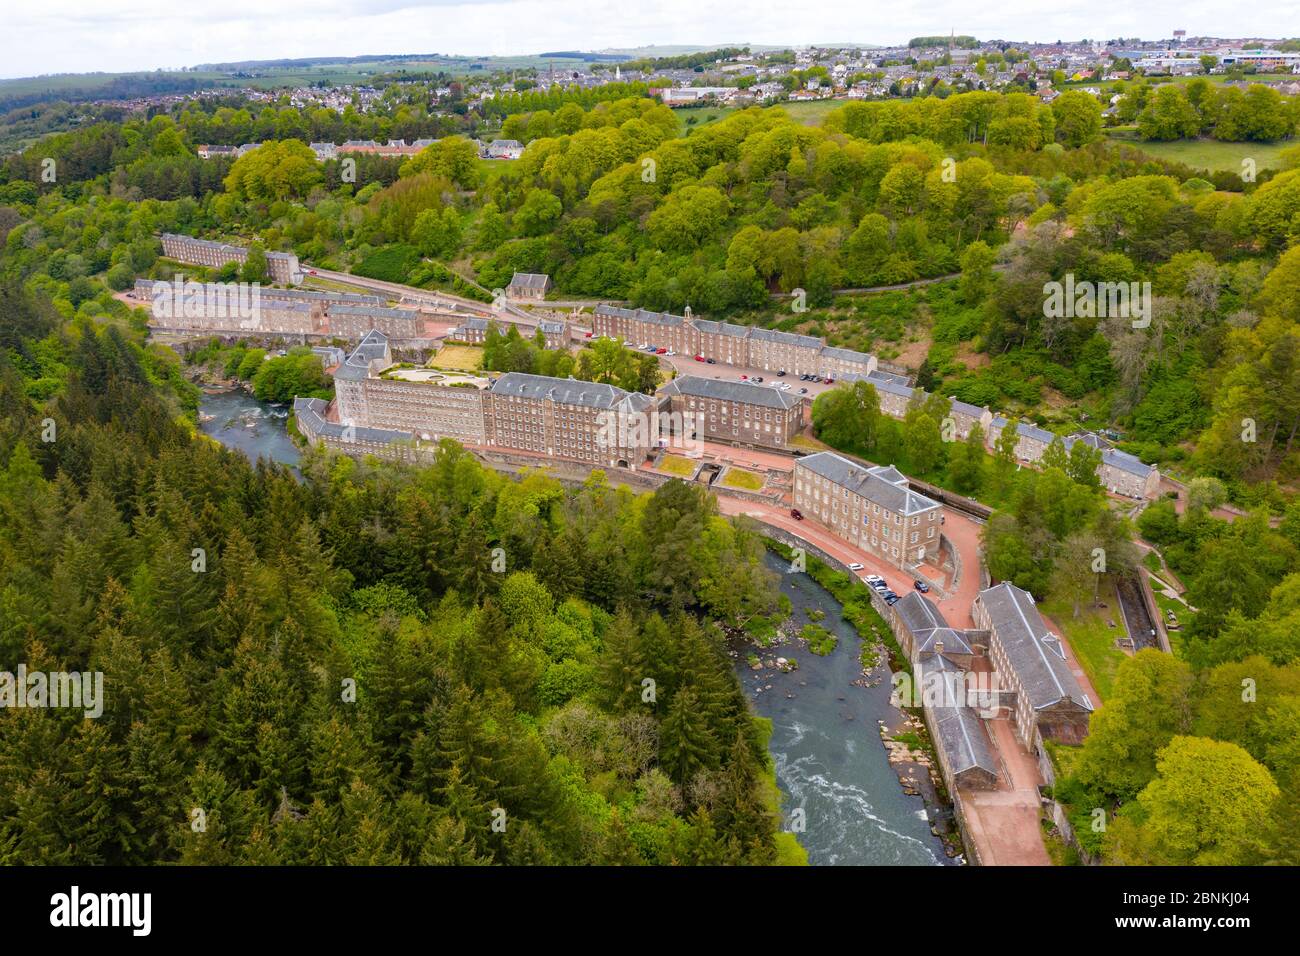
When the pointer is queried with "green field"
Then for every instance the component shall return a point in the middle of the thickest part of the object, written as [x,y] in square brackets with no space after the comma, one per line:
[677,465]
[492,168]
[1208,154]
[694,118]
[1091,637]
[745,480]
[460,358]
[811,112]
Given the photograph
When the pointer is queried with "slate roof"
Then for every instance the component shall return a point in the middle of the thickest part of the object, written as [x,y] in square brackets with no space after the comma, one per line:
[926,622]
[953,641]
[530,280]
[641,315]
[918,613]
[372,348]
[569,391]
[225,246]
[884,382]
[1110,455]
[1025,430]
[964,740]
[1033,652]
[876,375]
[966,408]
[959,731]
[845,355]
[379,312]
[312,411]
[872,483]
[743,392]
[1125,462]
[784,338]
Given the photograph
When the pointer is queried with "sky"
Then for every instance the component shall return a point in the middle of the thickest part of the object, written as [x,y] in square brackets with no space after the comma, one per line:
[77,36]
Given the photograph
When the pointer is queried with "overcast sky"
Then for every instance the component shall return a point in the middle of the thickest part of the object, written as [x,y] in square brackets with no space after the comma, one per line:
[75,36]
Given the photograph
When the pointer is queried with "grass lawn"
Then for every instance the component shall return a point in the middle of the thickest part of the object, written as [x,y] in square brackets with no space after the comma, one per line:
[1093,642]
[811,112]
[492,168]
[808,443]
[677,465]
[739,478]
[1209,154]
[702,116]
[458,358]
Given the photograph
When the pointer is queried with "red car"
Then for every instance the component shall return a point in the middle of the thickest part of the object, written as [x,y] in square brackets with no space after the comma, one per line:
[588,335]
[699,358]
[660,351]
[795,514]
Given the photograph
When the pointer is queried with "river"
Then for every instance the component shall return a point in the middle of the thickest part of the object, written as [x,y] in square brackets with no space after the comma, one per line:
[239,421]
[826,745]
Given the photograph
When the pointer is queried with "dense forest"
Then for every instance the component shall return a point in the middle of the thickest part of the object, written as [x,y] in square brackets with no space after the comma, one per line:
[367,665]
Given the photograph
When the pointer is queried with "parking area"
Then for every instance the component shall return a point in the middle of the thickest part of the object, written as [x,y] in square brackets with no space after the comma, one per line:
[686,365]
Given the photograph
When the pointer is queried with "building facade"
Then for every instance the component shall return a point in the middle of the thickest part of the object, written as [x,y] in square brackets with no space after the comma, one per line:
[281,267]
[528,287]
[425,411]
[769,350]
[587,422]
[870,508]
[735,412]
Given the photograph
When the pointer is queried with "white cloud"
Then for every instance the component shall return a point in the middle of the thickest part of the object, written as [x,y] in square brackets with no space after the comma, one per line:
[57,36]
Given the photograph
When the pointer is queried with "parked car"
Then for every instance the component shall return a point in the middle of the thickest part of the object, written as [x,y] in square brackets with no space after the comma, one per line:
[758,378]
[587,336]
[921,586]
[661,351]
[699,358]
[803,391]
[872,578]
[796,514]
[879,585]
[855,567]
[892,599]
[710,361]
[780,373]
[744,378]
[670,353]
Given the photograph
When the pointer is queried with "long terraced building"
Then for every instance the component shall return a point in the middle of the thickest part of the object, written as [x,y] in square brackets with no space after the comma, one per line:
[731,344]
